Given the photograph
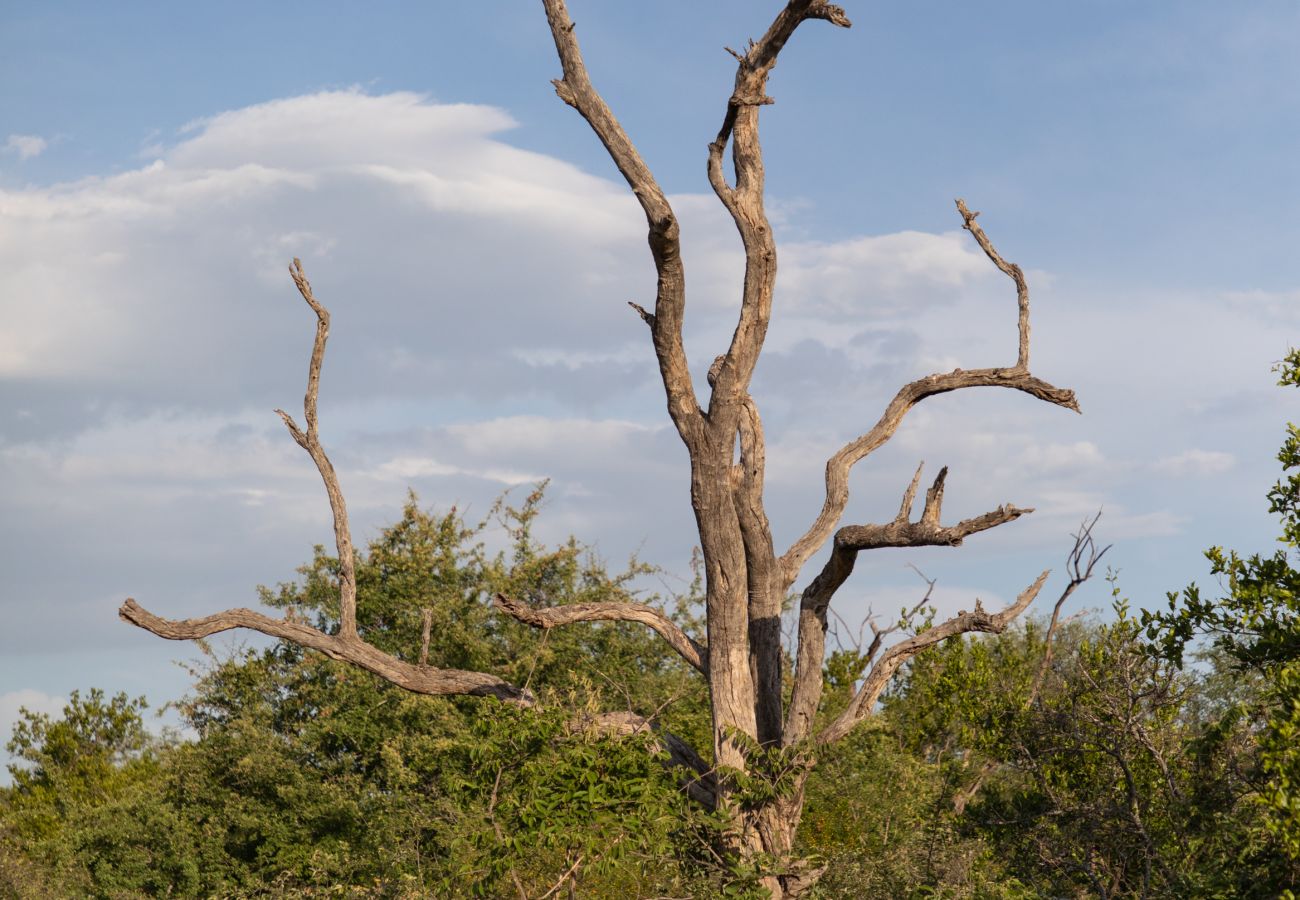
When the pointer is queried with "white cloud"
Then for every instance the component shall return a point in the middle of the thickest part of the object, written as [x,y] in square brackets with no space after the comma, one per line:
[1195,463]
[866,277]
[34,701]
[1053,457]
[105,277]
[407,469]
[27,146]
[481,340]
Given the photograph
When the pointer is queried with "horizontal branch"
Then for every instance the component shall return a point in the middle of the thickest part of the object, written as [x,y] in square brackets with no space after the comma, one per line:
[864,700]
[838,466]
[922,534]
[417,679]
[570,613]
[420,679]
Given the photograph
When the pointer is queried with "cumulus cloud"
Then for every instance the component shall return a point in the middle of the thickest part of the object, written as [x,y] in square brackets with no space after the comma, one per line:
[874,276]
[26,146]
[481,341]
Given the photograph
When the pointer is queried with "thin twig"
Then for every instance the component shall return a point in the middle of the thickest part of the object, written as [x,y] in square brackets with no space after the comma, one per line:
[1080,570]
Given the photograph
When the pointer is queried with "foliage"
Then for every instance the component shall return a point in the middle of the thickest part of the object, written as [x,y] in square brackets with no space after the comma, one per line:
[1256,625]
[313,778]
[882,817]
[1118,777]
[1117,774]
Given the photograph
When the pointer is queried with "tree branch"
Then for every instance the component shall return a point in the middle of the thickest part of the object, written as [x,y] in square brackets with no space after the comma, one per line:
[849,541]
[1080,562]
[310,441]
[549,617]
[745,200]
[762,573]
[414,678]
[1016,377]
[1011,270]
[864,700]
[576,89]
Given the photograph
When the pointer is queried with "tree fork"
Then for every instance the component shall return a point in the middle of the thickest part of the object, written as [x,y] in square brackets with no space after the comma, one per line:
[745,579]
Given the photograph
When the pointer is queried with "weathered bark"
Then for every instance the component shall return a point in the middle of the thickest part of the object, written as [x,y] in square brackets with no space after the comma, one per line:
[551,616]
[746,581]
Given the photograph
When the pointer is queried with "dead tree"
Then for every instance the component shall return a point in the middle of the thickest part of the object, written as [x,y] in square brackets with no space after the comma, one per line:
[746,578]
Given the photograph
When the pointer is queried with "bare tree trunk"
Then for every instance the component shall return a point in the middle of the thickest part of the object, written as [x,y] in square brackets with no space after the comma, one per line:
[746,580]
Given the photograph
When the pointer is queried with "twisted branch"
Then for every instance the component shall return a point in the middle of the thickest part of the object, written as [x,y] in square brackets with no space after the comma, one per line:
[576,89]
[745,200]
[415,678]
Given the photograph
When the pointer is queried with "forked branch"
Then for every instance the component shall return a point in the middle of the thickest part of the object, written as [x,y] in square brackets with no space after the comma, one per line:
[346,645]
[849,541]
[1016,377]
[1080,563]
[745,200]
[310,441]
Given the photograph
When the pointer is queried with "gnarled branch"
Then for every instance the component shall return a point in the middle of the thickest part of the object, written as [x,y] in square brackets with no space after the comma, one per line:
[1011,270]
[576,89]
[346,645]
[864,699]
[567,614]
[745,200]
[1016,377]
[310,441]
[415,678]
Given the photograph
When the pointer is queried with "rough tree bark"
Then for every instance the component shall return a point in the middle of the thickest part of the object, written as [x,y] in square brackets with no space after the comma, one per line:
[746,580]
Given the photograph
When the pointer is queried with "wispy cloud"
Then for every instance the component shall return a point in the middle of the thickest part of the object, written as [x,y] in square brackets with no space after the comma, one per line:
[1195,463]
[1281,306]
[26,146]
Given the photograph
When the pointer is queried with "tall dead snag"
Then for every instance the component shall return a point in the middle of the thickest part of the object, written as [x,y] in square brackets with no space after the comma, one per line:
[745,579]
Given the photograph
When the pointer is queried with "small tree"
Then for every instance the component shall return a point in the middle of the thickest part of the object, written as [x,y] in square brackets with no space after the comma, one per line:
[1256,626]
[763,746]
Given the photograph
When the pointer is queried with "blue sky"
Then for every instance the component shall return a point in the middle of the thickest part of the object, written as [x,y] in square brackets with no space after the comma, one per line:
[162,162]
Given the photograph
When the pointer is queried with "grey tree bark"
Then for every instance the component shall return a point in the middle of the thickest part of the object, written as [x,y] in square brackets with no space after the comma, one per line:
[746,580]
